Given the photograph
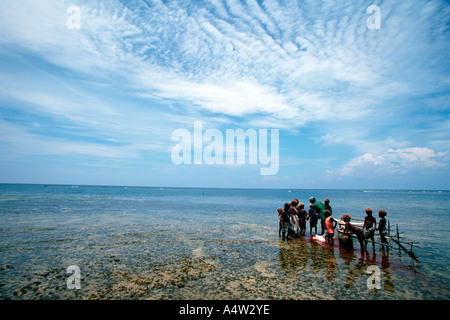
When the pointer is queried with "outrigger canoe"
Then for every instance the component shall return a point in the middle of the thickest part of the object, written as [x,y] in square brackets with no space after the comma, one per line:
[346,240]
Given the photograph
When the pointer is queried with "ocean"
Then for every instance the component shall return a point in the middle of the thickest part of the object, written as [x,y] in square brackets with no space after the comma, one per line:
[193,243]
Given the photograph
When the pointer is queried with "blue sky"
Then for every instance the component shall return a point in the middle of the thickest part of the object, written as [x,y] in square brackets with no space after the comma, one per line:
[355,107]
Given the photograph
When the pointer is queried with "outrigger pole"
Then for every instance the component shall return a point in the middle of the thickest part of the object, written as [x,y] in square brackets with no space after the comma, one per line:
[368,240]
[399,243]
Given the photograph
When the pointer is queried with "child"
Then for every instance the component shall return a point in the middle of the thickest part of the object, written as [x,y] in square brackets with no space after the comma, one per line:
[313,217]
[319,208]
[349,228]
[286,229]
[294,220]
[280,218]
[326,202]
[330,225]
[284,223]
[369,227]
[302,218]
[382,227]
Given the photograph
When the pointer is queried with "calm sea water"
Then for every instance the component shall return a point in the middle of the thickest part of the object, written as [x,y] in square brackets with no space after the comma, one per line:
[188,243]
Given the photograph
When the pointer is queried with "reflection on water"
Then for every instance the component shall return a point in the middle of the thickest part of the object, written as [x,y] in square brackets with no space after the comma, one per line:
[342,273]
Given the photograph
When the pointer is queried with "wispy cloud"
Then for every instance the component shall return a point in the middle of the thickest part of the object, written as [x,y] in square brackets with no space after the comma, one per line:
[203,57]
[235,58]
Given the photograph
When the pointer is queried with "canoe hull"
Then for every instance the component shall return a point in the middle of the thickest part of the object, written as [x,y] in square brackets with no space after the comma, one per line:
[345,241]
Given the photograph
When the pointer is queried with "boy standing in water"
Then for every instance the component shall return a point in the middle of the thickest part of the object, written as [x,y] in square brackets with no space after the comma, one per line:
[350,228]
[313,217]
[285,221]
[294,218]
[302,217]
[382,227]
[280,212]
[330,225]
[326,202]
[369,227]
[319,207]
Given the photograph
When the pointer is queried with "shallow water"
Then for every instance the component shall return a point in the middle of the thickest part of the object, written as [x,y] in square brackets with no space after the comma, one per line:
[152,243]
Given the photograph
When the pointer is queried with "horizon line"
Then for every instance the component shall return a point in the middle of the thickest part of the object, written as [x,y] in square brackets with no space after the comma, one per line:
[225,188]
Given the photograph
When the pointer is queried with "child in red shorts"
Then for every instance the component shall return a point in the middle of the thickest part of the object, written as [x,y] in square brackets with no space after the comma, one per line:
[330,225]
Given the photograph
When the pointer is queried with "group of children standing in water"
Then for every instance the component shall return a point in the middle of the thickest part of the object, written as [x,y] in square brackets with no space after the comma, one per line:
[293,218]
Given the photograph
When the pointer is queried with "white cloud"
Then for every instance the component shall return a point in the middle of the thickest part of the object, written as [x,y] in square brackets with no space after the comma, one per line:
[422,157]
[331,139]
[391,161]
